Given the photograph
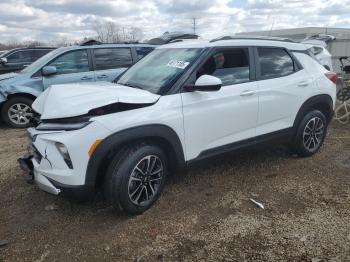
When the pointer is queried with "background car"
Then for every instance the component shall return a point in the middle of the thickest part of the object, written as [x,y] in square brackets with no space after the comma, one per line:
[3,52]
[317,46]
[80,63]
[17,59]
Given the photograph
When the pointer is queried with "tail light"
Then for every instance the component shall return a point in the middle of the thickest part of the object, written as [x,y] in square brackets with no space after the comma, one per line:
[332,76]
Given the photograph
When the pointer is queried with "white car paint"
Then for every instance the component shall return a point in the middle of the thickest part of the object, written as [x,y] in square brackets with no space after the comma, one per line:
[60,101]
[201,120]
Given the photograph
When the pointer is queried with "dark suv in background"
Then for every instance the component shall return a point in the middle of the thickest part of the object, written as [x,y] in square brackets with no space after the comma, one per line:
[17,59]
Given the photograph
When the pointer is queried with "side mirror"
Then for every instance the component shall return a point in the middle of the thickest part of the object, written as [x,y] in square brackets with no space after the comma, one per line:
[207,83]
[3,60]
[48,70]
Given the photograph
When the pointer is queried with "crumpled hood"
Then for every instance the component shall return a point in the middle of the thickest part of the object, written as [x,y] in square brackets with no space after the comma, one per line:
[69,100]
[7,76]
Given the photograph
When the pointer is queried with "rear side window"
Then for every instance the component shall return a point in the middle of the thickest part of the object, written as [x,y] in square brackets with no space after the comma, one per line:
[275,62]
[36,54]
[142,51]
[231,66]
[71,62]
[109,58]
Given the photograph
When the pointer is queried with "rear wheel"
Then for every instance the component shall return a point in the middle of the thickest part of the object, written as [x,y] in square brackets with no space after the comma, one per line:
[17,112]
[311,133]
[135,178]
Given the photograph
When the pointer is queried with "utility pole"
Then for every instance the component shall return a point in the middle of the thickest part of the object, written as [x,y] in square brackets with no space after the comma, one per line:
[194,25]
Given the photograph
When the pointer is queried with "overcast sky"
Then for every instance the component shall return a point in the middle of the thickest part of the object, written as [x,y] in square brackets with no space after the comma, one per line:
[46,20]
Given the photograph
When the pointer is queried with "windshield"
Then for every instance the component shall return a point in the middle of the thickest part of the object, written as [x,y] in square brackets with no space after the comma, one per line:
[37,63]
[158,70]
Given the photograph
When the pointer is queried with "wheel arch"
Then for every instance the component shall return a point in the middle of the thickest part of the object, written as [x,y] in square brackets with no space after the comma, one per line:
[161,135]
[27,95]
[324,103]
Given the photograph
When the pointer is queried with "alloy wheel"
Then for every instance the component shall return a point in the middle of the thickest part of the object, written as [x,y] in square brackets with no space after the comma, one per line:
[20,114]
[145,180]
[313,134]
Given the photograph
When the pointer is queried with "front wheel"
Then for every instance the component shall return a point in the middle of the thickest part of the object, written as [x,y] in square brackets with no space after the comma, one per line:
[311,133]
[17,112]
[135,178]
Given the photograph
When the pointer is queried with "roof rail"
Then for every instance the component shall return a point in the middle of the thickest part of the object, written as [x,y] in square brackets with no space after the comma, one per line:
[252,37]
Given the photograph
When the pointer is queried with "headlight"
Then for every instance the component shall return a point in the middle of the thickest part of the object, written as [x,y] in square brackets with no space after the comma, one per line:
[64,153]
[51,126]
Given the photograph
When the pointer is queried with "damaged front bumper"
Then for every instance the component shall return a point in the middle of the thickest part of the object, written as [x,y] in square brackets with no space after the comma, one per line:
[26,164]
[47,166]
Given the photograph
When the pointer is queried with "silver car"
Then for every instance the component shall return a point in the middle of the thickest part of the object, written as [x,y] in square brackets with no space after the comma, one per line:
[84,63]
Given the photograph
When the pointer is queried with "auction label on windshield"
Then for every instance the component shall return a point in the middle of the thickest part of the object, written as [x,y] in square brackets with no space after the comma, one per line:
[178,64]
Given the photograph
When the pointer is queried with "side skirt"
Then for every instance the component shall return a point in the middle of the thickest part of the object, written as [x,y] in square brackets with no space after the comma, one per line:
[279,137]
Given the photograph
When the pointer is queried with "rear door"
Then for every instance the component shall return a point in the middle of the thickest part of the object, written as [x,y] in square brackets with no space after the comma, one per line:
[218,118]
[282,85]
[109,63]
[72,67]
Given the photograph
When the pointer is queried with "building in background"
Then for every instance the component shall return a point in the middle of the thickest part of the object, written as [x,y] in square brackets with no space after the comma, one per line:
[338,48]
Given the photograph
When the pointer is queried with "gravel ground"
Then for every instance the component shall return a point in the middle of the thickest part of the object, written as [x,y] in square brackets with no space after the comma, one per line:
[204,214]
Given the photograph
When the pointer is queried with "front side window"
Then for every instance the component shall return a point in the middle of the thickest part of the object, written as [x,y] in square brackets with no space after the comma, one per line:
[13,58]
[71,62]
[275,62]
[24,56]
[109,58]
[231,66]
[157,71]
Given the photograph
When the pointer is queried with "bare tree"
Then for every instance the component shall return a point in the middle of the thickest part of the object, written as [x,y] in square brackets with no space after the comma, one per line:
[136,34]
[60,41]
[110,32]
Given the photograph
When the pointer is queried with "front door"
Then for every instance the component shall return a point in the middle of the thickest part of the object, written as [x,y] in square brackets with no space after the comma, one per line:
[218,118]
[72,67]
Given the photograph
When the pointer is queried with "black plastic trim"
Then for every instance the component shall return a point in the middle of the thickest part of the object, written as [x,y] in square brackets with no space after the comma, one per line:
[283,135]
[116,141]
[312,102]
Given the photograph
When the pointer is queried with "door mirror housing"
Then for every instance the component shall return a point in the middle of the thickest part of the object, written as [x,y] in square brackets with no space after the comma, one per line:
[48,70]
[3,60]
[207,83]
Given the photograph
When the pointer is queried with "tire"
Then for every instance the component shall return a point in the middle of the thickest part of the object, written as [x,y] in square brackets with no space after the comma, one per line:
[128,184]
[310,134]
[17,112]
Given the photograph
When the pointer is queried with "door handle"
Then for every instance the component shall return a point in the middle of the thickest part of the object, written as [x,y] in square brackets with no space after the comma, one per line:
[86,78]
[248,93]
[102,76]
[304,83]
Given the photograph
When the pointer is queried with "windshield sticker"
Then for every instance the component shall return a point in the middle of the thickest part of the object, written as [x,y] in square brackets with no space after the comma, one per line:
[178,64]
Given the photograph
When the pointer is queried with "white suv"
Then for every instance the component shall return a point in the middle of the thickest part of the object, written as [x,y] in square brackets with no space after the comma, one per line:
[184,102]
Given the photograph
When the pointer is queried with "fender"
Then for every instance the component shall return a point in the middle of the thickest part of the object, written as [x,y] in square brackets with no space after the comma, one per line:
[162,133]
[323,102]
[22,89]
